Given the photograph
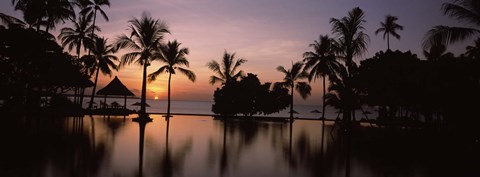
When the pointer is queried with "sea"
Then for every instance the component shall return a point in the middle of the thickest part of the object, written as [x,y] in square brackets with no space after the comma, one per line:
[205,108]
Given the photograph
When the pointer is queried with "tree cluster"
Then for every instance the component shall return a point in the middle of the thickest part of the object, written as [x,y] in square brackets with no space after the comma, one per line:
[249,97]
[34,65]
[406,87]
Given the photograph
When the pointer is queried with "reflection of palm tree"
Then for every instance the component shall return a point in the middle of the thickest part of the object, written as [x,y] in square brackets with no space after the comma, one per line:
[173,56]
[389,27]
[461,10]
[322,62]
[292,80]
[169,162]
[227,72]
[145,39]
[142,124]
[104,60]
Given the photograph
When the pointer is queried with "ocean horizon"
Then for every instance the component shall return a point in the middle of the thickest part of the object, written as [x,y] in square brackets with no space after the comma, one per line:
[205,108]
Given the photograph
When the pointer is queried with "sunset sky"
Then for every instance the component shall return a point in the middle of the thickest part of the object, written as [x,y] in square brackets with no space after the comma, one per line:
[267,33]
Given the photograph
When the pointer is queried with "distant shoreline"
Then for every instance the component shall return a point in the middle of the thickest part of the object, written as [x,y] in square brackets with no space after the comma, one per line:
[240,116]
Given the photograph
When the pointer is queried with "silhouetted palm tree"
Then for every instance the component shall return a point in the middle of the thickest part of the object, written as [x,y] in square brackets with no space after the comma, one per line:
[321,61]
[461,10]
[389,27]
[474,51]
[292,82]
[91,7]
[227,72]
[342,95]
[102,53]
[351,41]
[145,39]
[78,36]
[174,58]
[437,52]
[46,13]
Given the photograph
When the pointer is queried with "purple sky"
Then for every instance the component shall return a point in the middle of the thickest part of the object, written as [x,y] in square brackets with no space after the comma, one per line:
[267,33]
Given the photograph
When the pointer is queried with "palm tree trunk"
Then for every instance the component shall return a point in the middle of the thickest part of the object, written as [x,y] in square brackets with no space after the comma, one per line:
[323,108]
[388,41]
[144,90]
[94,88]
[168,105]
[323,115]
[94,20]
[291,105]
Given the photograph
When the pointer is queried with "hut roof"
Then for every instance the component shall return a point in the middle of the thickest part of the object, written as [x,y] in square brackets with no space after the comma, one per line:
[115,87]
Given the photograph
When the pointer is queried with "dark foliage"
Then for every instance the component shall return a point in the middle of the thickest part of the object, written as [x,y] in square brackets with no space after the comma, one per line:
[248,97]
[406,87]
[34,65]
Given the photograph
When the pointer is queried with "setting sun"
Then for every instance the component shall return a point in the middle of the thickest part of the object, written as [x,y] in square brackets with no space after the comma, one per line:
[156,98]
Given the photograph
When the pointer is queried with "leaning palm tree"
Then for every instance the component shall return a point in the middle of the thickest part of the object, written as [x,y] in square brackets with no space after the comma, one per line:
[321,62]
[292,82]
[102,53]
[350,41]
[145,39]
[78,36]
[174,58]
[466,11]
[227,70]
[389,27]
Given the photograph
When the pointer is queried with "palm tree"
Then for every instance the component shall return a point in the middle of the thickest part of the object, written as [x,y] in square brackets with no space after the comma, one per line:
[227,72]
[322,62]
[174,58]
[350,41]
[292,81]
[102,53]
[46,13]
[145,39]
[461,10]
[91,7]
[389,27]
[78,36]
[342,95]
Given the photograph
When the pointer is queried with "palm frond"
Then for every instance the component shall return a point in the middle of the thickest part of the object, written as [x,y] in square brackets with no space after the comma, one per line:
[191,76]
[153,76]
[304,89]
[465,12]
[447,35]
[128,58]
[215,79]
[282,69]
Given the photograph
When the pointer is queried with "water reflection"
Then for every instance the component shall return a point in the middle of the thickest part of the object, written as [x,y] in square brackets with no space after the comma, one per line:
[180,146]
